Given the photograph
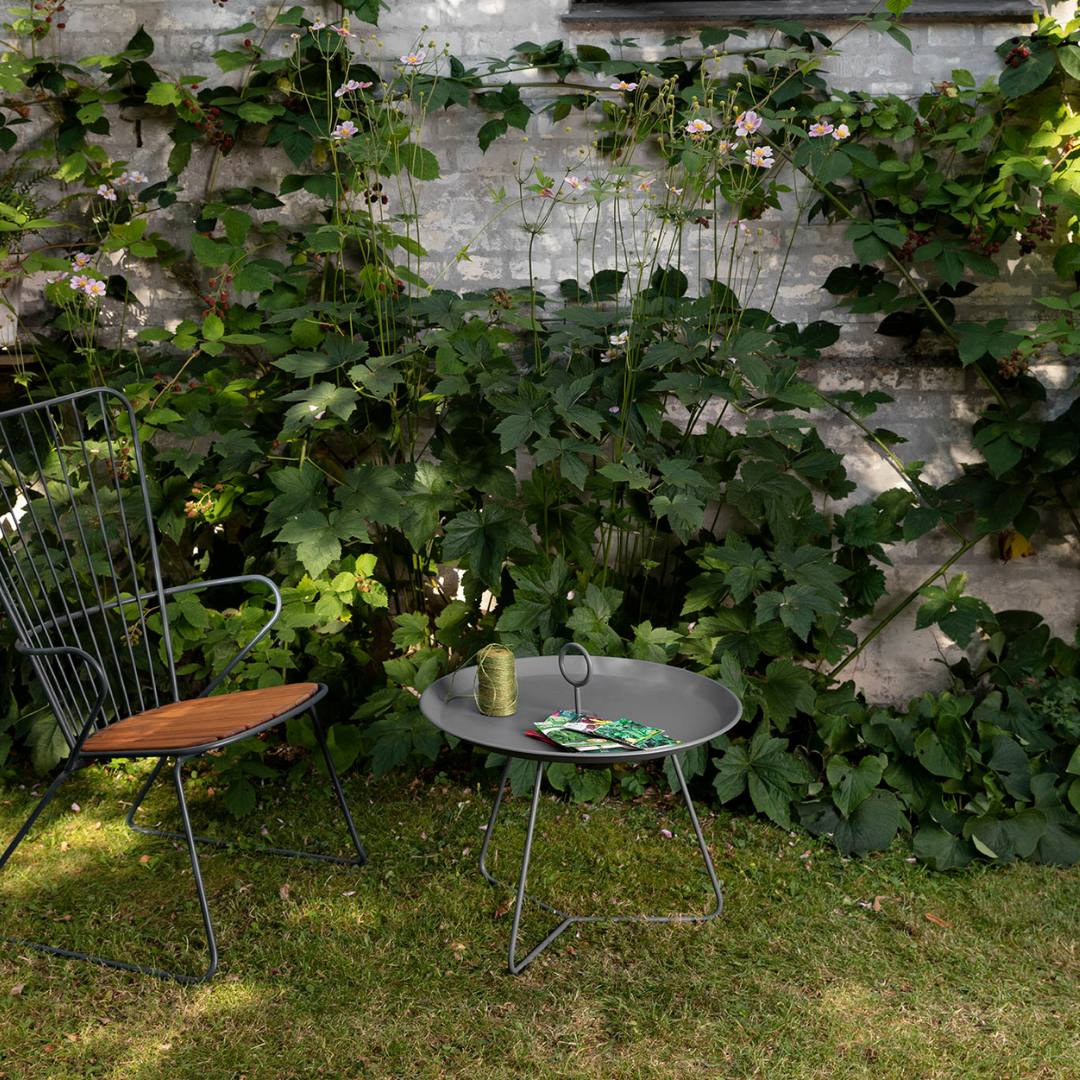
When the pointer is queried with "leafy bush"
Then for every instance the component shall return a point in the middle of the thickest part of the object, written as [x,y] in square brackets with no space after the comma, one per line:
[633,464]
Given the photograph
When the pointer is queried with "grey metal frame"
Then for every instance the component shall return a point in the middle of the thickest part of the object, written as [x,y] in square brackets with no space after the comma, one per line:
[693,709]
[515,966]
[90,678]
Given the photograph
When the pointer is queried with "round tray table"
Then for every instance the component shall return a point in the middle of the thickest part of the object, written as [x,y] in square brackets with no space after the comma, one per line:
[689,707]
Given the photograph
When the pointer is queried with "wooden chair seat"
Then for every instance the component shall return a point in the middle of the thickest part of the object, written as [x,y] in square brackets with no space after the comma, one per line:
[183,725]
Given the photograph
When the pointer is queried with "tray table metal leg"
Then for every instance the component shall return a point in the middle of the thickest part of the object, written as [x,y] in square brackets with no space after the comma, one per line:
[515,967]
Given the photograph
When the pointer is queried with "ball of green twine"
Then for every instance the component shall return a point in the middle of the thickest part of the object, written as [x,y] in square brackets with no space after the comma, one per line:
[496,681]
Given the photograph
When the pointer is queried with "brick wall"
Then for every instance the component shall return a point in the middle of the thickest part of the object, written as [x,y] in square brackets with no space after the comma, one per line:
[935,401]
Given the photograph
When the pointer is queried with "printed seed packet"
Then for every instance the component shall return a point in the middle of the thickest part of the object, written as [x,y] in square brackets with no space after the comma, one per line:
[628,732]
[589,734]
[555,729]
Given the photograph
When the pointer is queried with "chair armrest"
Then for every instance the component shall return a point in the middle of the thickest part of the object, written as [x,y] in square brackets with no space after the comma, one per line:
[239,579]
[99,677]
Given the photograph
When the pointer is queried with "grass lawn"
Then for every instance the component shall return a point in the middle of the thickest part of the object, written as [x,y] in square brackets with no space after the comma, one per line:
[818,966]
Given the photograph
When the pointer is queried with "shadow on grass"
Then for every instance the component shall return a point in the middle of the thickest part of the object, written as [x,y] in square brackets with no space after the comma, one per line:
[819,968]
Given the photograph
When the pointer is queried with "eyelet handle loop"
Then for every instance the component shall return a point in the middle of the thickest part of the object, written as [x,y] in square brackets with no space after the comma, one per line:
[588,670]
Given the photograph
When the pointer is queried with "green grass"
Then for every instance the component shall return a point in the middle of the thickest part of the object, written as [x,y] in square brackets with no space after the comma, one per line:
[818,967]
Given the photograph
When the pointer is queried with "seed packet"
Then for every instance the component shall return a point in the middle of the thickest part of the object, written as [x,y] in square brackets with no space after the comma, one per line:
[584,733]
[628,732]
[555,729]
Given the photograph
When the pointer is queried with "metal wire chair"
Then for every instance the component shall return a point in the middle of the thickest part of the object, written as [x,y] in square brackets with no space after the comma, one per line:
[81,585]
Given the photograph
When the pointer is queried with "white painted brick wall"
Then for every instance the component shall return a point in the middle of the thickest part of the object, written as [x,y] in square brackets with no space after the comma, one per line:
[935,402]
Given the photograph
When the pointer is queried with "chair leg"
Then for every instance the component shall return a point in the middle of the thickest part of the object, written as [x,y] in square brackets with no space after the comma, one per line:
[196,871]
[337,789]
[103,961]
[36,813]
[139,798]
[261,849]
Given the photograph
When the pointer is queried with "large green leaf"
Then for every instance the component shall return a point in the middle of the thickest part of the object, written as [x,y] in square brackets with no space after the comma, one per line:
[785,690]
[583,784]
[764,767]
[522,772]
[1060,844]
[482,539]
[318,537]
[48,747]
[1030,75]
[371,491]
[1011,763]
[870,827]
[430,496]
[590,620]
[1004,836]
[747,567]
[315,402]
[852,784]
[944,750]
[421,162]
[398,736]
[943,850]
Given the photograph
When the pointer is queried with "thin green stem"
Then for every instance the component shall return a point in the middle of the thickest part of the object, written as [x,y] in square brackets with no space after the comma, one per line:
[905,603]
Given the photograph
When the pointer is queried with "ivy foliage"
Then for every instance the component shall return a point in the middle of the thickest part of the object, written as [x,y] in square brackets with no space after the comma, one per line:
[633,463]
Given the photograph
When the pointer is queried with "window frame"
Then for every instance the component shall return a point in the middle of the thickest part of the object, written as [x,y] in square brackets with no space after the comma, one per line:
[696,12]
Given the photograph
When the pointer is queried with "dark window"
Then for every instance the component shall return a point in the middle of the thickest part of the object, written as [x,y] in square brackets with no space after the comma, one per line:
[666,12]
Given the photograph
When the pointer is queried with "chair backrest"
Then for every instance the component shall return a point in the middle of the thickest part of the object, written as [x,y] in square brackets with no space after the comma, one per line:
[79,565]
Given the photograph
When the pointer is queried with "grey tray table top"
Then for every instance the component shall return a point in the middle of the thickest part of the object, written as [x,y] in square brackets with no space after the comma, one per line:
[689,707]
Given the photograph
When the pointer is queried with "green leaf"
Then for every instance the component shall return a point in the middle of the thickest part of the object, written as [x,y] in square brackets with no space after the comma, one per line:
[693,762]
[590,620]
[482,539]
[344,741]
[306,364]
[239,797]
[750,567]
[944,752]
[870,827]
[48,747]
[237,224]
[522,772]
[653,643]
[230,60]
[1060,844]
[398,736]
[163,93]
[784,691]
[584,785]
[1006,838]
[1001,455]
[256,113]
[950,266]
[852,784]
[767,770]
[430,496]
[1067,260]
[685,513]
[491,131]
[211,253]
[1030,75]
[313,403]
[1010,761]
[918,521]
[795,606]
[413,630]
[419,161]
[942,850]
[371,491]
[212,328]
[317,544]
[298,144]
